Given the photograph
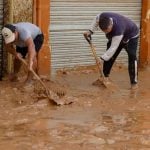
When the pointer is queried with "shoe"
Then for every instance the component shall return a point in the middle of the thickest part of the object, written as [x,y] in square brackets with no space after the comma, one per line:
[28,86]
[134,86]
[107,81]
[28,82]
[98,82]
[102,81]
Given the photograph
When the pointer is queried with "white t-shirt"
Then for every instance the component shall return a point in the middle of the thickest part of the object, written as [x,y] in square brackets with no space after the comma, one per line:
[26,30]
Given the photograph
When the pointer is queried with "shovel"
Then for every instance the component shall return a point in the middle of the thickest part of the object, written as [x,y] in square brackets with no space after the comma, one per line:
[98,63]
[49,94]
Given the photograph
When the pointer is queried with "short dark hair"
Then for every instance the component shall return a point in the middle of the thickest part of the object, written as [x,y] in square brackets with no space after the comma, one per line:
[11,27]
[104,23]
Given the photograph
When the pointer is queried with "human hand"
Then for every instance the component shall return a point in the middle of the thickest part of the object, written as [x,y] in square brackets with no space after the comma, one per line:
[148,15]
[102,59]
[87,34]
[98,61]
[18,56]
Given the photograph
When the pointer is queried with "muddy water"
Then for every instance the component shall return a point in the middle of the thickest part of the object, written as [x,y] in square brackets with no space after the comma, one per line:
[100,119]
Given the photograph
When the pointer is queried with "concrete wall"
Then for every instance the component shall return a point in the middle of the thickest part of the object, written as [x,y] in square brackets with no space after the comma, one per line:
[24,13]
[18,10]
[145,34]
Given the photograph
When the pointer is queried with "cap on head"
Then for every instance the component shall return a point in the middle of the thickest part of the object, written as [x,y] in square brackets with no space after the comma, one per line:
[8,33]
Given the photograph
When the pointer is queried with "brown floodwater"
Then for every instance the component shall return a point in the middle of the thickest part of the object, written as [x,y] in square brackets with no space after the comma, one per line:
[99,119]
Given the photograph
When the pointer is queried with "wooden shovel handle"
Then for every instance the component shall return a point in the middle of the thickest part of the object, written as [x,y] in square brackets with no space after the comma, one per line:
[37,77]
[97,60]
[95,55]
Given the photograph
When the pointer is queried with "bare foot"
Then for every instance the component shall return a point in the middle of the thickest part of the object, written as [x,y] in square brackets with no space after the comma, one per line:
[134,87]
[28,82]
[13,77]
[107,81]
[28,86]
[134,91]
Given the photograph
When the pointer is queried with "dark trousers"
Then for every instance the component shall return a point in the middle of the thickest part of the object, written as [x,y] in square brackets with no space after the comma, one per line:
[131,48]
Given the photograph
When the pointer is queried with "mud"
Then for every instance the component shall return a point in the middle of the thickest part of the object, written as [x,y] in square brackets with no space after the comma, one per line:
[99,119]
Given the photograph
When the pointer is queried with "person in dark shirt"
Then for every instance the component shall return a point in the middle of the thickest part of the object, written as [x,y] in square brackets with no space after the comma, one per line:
[121,32]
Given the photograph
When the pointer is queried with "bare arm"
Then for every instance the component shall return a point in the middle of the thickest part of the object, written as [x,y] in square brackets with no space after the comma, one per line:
[11,49]
[31,51]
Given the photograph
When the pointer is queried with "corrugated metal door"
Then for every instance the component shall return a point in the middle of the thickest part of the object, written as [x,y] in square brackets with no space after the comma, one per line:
[1,49]
[70,18]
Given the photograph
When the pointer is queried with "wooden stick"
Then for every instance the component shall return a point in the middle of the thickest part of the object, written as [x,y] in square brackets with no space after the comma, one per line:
[37,77]
[97,61]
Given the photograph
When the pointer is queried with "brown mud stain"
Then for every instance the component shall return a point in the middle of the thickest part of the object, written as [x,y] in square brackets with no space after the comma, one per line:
[99,119]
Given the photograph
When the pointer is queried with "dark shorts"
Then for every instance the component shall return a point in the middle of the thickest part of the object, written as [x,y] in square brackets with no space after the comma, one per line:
[38,41]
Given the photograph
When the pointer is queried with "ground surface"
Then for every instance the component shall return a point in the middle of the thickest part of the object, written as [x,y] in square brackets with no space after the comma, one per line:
[99,119]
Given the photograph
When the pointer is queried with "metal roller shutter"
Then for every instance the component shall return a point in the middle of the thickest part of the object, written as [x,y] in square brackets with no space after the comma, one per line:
[70,18]
[1,48]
